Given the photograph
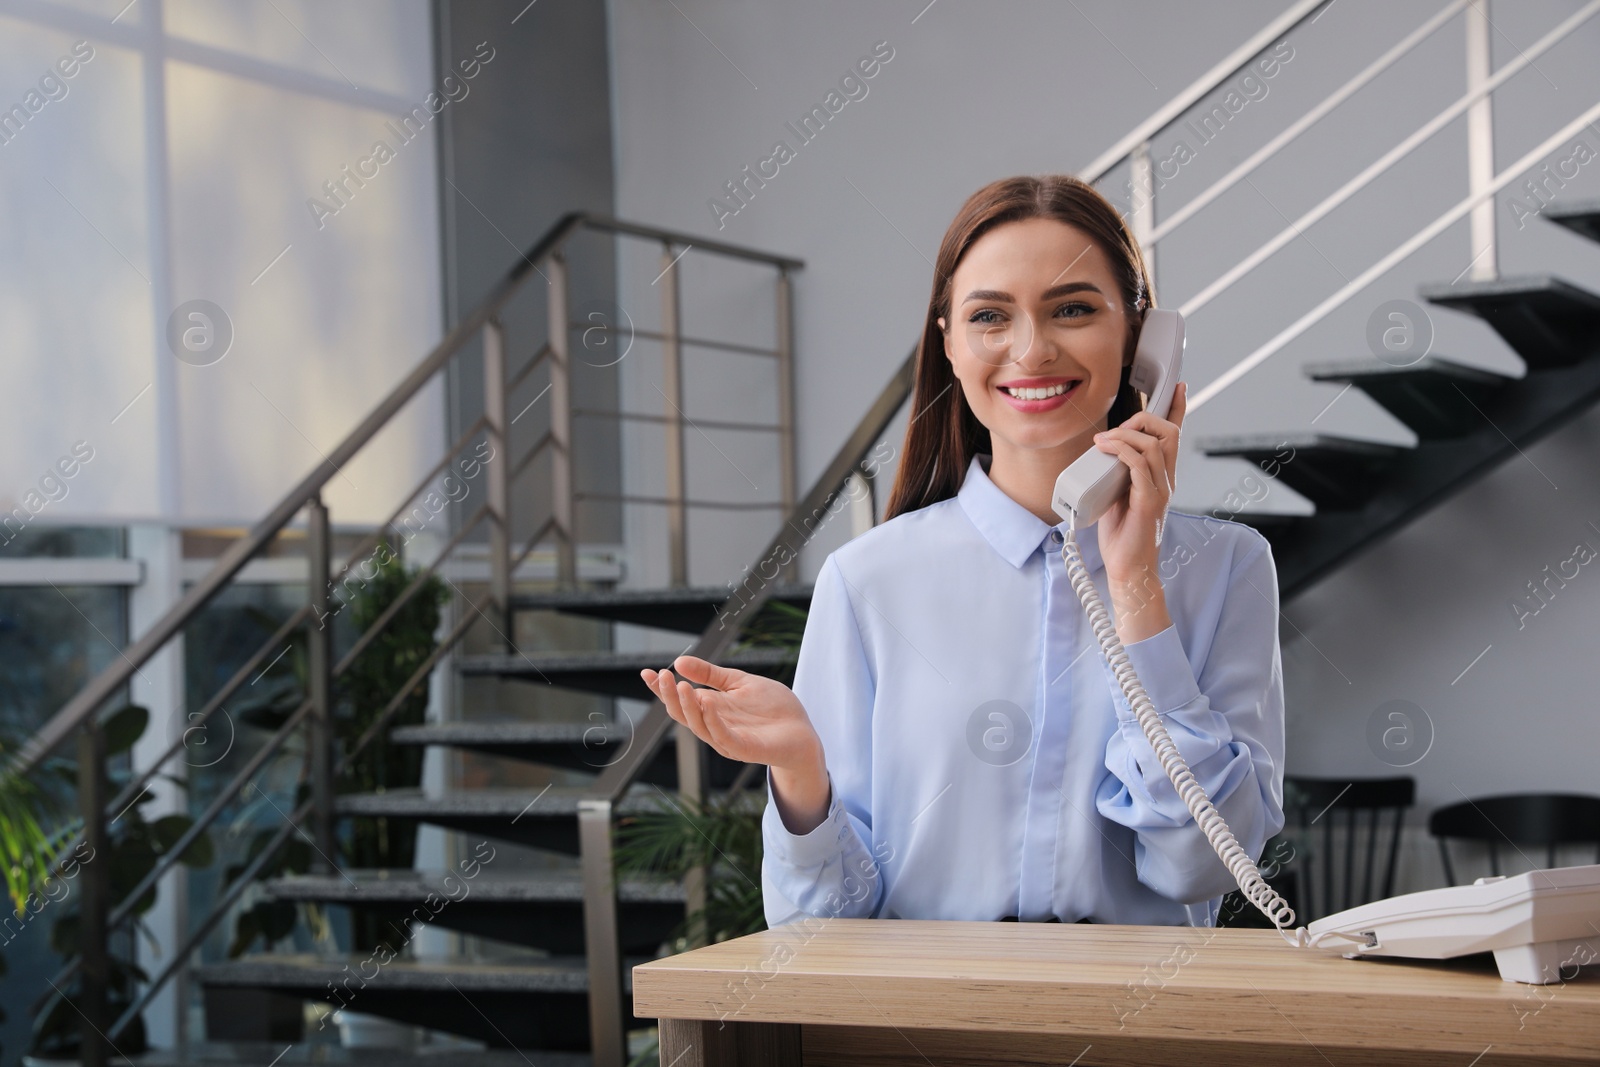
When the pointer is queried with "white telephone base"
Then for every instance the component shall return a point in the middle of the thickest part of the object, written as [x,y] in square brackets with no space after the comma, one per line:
[1537,924]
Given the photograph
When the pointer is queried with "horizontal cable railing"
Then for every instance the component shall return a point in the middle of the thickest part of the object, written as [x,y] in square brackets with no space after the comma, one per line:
[1482,182]
[1384,162]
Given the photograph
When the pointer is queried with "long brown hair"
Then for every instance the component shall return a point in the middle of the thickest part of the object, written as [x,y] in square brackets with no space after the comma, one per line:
[944,434]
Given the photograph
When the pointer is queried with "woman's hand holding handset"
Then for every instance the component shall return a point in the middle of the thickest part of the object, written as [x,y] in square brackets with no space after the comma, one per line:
[752,719]
[1129,533]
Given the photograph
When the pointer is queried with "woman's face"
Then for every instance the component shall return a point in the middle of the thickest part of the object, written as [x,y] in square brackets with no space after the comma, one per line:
[1037,334]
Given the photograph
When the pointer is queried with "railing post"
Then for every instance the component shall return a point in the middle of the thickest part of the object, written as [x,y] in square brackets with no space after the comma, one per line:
[562,493]
[1480,145]
[499,485]
[1143,214]
[690,753]
[319,635]
[672,387]
[786,443]
[692,773]
[601,945]
[93,934]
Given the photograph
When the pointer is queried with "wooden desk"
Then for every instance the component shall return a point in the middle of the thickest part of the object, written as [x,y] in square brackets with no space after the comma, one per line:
[855,991]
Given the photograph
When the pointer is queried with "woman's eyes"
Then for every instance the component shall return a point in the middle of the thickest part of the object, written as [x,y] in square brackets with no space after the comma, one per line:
[1080,308]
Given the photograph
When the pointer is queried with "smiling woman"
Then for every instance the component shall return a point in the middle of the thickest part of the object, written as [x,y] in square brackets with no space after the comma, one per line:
[955,746]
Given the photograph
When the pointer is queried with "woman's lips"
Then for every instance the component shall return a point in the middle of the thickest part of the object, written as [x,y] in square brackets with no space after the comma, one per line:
[1047,404]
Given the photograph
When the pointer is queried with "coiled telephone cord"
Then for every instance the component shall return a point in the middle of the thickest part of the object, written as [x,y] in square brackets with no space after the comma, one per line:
[1239,864]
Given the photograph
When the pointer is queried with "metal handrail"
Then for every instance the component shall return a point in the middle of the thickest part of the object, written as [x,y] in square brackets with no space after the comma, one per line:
[1230,65]
[1483,183]
[1453,214]
[103,914]
[117,673]
[1306,121]
[1524,58]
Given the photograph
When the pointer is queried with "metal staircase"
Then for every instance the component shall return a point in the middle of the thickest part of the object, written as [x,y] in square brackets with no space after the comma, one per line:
[585,928]
[1467,419]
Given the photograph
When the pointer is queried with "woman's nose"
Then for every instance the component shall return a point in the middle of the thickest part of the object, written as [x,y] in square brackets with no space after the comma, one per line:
[1032,345]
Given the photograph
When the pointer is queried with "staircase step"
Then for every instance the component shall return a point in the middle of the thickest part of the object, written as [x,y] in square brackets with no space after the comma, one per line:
[689,609]
[542,818]
[1548,320]
[538,909]
[1276,526]
[1335,473]
[541,1004]
[1579,216]
[611,673]
[572,746]
[1519,413]
[1436,397]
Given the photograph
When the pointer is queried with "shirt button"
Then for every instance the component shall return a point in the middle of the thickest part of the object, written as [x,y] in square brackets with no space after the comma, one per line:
[1055,537]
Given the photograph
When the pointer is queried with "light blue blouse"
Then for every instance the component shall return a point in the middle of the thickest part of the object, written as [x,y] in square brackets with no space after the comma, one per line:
[982,758]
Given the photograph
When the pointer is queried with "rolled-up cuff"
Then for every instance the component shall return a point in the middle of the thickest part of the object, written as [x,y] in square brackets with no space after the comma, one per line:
[813,849]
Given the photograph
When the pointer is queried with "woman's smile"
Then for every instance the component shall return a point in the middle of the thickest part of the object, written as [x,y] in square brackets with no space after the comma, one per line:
[1038,394]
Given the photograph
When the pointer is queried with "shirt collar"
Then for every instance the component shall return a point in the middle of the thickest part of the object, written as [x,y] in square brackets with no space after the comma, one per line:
[1014,531]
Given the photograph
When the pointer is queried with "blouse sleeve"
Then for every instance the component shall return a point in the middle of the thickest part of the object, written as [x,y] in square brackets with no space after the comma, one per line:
[829,872]
[1225,715]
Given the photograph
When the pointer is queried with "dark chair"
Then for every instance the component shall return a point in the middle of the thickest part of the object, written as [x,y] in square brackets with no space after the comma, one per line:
[1532,819]
[1350,803]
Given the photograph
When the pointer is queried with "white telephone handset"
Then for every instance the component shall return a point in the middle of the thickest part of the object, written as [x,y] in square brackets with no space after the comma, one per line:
[1096,479]
[1496,915]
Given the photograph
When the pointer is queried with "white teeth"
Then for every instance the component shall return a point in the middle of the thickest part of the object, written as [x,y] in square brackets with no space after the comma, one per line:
[1039,393]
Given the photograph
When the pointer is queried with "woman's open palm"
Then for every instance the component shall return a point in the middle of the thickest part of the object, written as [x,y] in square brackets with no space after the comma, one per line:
[743,716]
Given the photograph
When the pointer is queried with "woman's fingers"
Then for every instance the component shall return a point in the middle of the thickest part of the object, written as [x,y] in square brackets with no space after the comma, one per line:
[1157,450]
[1143,450]
[656,680]
[682,703]
[1148,472]
[705,672]
[684,691]
[1138,466]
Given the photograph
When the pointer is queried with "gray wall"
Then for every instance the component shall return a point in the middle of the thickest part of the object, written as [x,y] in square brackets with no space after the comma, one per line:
[974,92]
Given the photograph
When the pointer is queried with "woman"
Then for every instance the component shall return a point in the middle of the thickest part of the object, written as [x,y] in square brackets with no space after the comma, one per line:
[955,746]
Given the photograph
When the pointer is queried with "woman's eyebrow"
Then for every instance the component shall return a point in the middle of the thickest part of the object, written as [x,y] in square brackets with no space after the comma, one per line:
[1049,294]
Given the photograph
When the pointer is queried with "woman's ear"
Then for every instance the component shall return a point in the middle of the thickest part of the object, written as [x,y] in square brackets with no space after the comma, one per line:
[948,354]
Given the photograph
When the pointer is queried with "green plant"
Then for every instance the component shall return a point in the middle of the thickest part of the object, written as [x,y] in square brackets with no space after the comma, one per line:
[368,686]
[134,847]
[27,851]
[29,854]
[365,689]
[724,836]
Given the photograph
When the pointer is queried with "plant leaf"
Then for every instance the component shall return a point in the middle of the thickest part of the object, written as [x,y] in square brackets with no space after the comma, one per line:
[124,728]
